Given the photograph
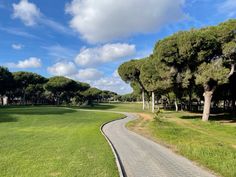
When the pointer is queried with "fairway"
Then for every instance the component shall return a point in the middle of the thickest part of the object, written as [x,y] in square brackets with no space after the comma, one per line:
[123,107]
[51,141]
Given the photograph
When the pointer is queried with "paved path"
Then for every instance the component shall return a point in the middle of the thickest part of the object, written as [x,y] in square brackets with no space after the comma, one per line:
[144,158]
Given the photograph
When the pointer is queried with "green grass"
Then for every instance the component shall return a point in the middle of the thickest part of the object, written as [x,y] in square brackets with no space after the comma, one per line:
[124,107]
[50,141]
[211,144]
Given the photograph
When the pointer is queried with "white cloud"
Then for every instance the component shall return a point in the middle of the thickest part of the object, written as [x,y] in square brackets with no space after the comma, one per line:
[18,32]
[62,69]
[103,21]
[31,62]
[92,76]
[60,52]
[69,69]
[104,54]
[30,15]
[17,46]
[27,12]
[112,83]
[228,7]
[88,74]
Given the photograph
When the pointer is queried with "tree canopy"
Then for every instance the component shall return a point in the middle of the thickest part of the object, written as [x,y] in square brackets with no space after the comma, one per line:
[188,63]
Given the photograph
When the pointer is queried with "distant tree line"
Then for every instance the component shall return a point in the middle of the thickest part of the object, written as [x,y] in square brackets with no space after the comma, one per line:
[187,69]
[31,88]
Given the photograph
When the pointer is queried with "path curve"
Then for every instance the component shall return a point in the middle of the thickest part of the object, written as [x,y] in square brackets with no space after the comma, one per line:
[141,157]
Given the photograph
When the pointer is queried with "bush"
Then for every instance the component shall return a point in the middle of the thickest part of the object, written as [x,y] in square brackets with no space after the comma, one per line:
[158,115]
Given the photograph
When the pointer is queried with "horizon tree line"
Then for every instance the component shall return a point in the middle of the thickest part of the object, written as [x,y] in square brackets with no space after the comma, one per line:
[31,88]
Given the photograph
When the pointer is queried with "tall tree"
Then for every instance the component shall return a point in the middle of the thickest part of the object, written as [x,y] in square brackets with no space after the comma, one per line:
[155,77]
[24,80]
[130,73]
[210,75]
[62,88]
[226,34]
[6,82]
[91,95]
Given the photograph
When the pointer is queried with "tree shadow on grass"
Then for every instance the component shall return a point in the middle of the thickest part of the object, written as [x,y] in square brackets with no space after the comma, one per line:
[31,110]
[230,118]
[99,107]
[7,118]
[191,117]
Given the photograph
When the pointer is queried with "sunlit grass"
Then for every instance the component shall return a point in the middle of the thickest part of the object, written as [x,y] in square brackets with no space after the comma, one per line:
[123,107]
[50,141]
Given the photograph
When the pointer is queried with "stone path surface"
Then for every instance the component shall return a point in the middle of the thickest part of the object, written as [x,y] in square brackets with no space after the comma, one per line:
[142,157]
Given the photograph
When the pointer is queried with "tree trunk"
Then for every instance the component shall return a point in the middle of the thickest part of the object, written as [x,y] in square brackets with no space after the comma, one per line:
[24,100]
[224,105]
[190,102]
[233,105]
[2,101]
[143,98]
[176,106]
[153,102]
[232,70]
[207,105]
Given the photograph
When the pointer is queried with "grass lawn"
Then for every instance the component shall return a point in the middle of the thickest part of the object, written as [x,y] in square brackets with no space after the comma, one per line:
[123,107]
[50,141]
[211,144]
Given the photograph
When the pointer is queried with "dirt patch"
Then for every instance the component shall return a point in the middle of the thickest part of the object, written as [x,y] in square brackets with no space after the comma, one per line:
[145,116]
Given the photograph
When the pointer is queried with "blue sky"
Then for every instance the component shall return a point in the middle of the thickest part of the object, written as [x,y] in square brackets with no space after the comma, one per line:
[87,40]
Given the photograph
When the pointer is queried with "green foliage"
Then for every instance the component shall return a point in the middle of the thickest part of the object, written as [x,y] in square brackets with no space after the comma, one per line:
[31,88]
[186,62]
[6,80]
[229,51]
[59,84]
[158,116]
[91,95]
[130,72]
[212,72]
[83,86]
[23,79]
[155,75]
[166,51]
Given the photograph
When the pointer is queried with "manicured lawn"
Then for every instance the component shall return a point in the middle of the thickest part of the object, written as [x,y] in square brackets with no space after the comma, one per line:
[50,141]
[124,107]
[211,144]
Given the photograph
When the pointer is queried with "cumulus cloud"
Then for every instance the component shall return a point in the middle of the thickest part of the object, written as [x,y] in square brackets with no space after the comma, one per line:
[69,69]
[112,83]
[62,69]
[27,12]
[103,21]
[92,76]
[104,54]
[17,46]
[88,74]
[228,7]
[30,15]
[31,62]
